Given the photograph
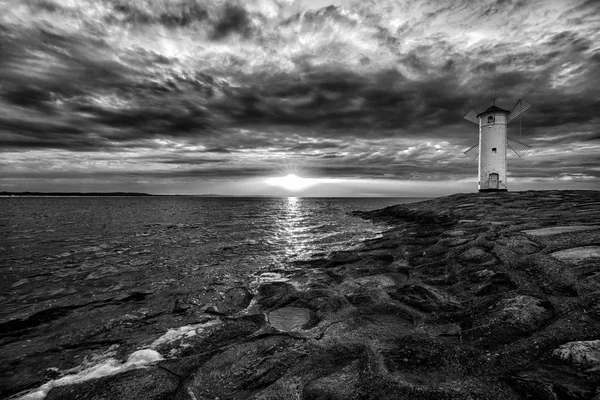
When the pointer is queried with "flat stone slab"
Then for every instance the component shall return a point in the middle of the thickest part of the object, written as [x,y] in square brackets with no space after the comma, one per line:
[577,253]
[376,281]
[555,230]
[289,318]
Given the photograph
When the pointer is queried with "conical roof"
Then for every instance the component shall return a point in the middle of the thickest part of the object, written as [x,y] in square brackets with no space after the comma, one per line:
[494,109]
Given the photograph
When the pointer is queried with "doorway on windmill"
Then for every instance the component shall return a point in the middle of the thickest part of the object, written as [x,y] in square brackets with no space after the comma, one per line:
[493,183]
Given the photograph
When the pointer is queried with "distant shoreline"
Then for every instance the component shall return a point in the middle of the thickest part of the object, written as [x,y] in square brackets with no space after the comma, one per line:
[135,194]
[45,194]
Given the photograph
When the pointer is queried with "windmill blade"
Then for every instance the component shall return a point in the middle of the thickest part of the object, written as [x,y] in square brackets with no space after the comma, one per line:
[518,147]
[472,152]
[472,117]
[518,109]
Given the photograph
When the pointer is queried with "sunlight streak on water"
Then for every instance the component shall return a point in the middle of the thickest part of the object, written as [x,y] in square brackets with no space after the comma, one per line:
[292,223]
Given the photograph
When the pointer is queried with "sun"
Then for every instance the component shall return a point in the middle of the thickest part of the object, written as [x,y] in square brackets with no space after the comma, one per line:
[291,182]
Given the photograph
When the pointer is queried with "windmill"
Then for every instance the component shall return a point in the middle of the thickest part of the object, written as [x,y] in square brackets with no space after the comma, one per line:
[492,144]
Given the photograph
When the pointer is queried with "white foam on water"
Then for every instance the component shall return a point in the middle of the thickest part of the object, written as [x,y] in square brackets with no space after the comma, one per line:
[111,366]
[182,332]
[271,277]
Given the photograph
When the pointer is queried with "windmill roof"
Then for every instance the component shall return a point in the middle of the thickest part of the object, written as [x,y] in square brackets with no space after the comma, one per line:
[494,109]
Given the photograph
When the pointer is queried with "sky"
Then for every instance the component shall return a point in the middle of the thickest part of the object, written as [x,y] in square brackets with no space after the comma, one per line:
[346,98]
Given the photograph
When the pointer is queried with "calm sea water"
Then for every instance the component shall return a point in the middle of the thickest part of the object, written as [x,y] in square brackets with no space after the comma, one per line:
[59,253]
[54,247]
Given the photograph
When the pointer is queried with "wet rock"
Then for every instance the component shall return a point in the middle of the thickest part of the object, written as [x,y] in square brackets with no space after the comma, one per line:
[18,326]
[454,233]
[425,298]
[476,255]
[276,294]
[232,301]
[181,306]
[453,242]
[323,302]
[231,330]
[552,382]
[481,275]
[499,283]
[584,354]
[382,282]
[146,383]
[362,298]
[340,385]
[242,370]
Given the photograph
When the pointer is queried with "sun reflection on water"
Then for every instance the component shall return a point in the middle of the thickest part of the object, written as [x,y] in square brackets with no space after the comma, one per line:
[294,227]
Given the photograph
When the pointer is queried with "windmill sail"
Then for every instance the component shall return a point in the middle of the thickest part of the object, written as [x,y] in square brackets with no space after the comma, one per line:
[472,117]
[518,147]
[517,110]
[472,152]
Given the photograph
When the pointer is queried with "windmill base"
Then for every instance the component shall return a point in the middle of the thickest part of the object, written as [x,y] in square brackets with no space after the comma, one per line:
[493,190]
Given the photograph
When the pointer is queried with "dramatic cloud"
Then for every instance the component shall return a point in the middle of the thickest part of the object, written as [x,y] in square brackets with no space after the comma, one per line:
[175,95]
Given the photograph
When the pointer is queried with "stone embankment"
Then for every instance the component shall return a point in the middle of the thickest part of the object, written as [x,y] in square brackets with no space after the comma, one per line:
[471,296]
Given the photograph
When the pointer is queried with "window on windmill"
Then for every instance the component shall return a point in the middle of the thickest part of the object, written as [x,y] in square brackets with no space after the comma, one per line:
[493,150]
[491,119]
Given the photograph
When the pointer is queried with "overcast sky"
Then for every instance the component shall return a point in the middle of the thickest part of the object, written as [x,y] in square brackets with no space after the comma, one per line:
[364,98]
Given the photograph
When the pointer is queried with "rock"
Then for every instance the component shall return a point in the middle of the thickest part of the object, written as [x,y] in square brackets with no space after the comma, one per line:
[231,330]
[240,371]
[276,294]
[180,307]
[455,233]
[476,255]
[551,382]
[321,301]
[145,383]
[376,281]
[577,254]
[481,275]
[499,283]
[453,242]
[555,230]
[520,244]
[340,385]
[525,311]
[511,319]
[583,354]
[425,298]
[233,300]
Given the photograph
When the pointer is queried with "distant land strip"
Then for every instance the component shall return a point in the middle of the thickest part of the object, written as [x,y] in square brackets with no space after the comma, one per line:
[73,194]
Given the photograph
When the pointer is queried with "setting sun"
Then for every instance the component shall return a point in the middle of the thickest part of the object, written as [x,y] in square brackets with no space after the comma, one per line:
[291,182]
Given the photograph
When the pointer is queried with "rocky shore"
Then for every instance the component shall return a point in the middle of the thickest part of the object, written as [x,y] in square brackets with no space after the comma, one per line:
[470,296]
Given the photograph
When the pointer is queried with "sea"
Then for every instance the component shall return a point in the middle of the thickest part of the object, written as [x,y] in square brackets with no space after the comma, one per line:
[72,266]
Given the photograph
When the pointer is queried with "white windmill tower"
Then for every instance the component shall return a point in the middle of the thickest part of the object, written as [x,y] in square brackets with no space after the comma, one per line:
[493,140]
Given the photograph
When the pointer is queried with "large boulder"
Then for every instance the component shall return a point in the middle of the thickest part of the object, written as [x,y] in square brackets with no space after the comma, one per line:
[512,318]
[584,353]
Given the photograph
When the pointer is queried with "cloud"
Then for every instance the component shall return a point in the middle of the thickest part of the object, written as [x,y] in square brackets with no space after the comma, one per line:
[257,84]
